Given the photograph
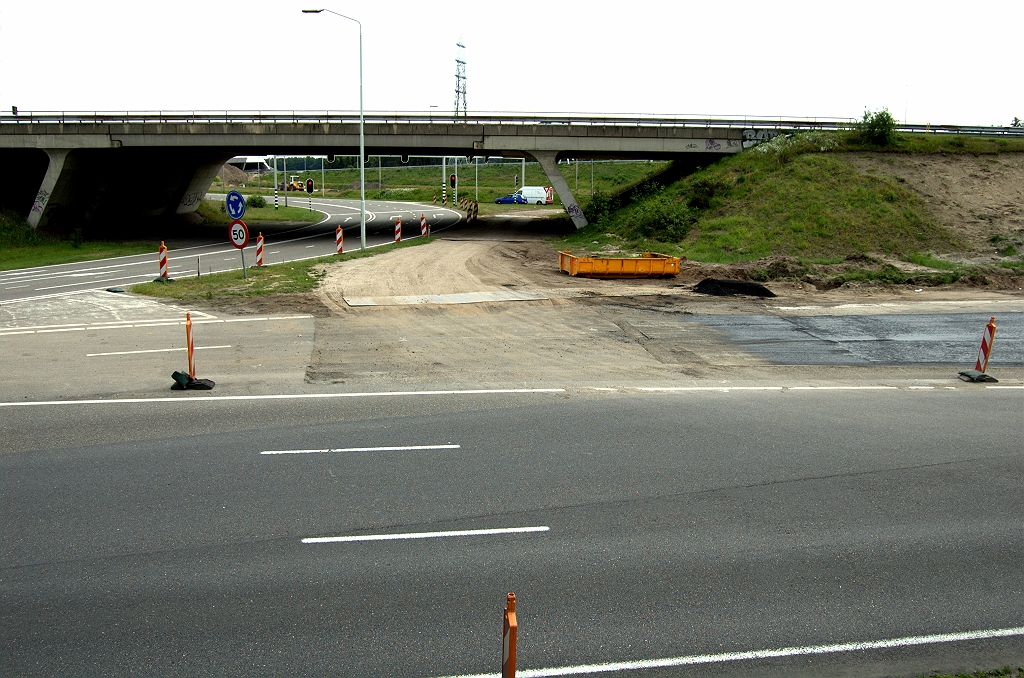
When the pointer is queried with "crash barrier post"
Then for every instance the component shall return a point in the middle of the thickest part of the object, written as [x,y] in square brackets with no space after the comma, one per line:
[398,229]
[339,240]
[423,225]
[259,249]
[163,260]
[508,645]
[981,364]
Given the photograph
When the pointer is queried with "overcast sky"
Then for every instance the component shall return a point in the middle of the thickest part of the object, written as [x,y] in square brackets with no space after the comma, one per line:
[941,62]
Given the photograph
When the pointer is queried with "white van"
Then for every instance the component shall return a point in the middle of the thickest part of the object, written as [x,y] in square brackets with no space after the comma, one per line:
[538,195]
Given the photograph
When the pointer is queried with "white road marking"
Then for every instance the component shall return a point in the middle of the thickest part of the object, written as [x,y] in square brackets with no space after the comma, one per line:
[366,449]
[427,535]
[154,350]
[711,388]
[16,287]
[286,396]
[1001,387]
[843,388]
[128,324]
[691,660]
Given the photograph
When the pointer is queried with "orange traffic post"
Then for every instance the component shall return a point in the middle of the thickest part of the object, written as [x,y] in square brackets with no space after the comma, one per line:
[339,240]
[183,380]
[398,229]
[163,260]
[259,249]
[508,646]
[423,225]
[191,347]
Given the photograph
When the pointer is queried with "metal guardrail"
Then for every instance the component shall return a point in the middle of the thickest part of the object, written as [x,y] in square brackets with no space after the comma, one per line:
[399,117]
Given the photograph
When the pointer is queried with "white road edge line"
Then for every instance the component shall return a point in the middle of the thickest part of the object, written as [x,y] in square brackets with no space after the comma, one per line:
[287,396]
[154,350]
[908,641]
[426,535]
[406,448]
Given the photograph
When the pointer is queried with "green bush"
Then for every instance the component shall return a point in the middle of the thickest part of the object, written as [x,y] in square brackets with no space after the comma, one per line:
[660,218]
[77,238]
[878,128]
[597,208]
[702,190]
[15,231]
[256,201]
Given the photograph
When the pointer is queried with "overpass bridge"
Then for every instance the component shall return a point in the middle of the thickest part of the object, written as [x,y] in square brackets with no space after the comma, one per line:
[72,168]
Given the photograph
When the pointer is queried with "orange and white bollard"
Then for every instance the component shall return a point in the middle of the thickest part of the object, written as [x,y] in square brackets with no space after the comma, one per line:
[163,260]
[423,225]
[435,197]
[508,645]
[981,364]
[259,249]
[398,229]
[339,240]
[986,346]
[191,347]
[476,209]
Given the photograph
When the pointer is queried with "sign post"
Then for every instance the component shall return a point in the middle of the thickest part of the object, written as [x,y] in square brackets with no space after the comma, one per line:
[309,190]
[239,234]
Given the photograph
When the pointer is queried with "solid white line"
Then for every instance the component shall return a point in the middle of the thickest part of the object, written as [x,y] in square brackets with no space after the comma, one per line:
[128,324]
[289,396]
[711,388]
[691,660]
[365,449]
[1004,387]
[843,388]
[426,535]
[153,350]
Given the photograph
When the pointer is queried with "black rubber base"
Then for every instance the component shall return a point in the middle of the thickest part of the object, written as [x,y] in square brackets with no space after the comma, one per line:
[976,376]
[182,382]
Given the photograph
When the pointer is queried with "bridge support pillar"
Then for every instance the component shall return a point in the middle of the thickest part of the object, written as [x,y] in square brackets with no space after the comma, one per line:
[549,161]
[45,192]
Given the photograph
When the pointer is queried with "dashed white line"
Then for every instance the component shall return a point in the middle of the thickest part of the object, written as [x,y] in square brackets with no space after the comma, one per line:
[691,660]
[406,448]
[154,350]
[426,535]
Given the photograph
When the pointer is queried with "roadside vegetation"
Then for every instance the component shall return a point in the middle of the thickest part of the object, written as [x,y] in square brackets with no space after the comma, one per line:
[796,207]
[22,246]
[213,212]
[419,183]
[292,277]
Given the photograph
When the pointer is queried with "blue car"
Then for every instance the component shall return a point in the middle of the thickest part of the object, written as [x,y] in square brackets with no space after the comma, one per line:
[511,199]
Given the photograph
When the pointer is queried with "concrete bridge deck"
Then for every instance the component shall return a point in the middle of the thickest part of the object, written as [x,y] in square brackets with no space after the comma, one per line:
[64,167]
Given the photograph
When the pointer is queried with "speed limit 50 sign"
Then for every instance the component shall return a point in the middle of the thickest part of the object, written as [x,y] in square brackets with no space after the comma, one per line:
[238,233]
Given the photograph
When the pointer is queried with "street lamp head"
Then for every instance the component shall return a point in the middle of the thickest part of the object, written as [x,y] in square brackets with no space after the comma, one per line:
[311,11]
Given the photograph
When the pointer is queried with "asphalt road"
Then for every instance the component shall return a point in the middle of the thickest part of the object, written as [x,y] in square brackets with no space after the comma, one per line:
[282,244]
[679,525]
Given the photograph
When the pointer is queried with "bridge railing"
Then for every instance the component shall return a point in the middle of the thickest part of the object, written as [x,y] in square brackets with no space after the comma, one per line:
[400,117]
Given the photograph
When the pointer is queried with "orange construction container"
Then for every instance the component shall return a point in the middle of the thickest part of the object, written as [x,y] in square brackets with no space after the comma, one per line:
[650,265]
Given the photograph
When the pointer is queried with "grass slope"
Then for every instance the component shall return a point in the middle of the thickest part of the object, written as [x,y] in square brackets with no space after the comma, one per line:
[801,199]
[21,246]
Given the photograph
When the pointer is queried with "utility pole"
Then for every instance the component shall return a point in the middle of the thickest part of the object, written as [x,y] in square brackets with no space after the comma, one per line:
[286,181]
[275,182]
[460,81]
[323,190]
[477,198]
[522,177]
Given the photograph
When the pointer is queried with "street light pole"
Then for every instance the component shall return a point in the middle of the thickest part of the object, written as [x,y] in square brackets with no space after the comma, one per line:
[362,142]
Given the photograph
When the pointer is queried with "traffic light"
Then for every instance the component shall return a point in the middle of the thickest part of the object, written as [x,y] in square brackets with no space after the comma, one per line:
[309,186]
[451,180]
